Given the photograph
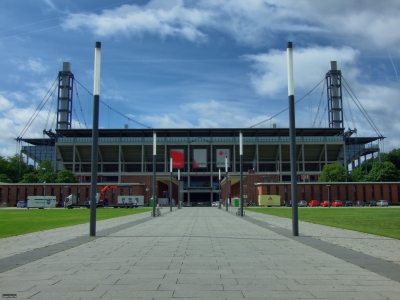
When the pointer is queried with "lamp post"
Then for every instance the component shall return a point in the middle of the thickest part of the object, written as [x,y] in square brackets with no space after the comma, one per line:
[241,172]
[154,172]
[226,182]
[179,179]
[44,185]
[170,185]
[292,135]
[219,188]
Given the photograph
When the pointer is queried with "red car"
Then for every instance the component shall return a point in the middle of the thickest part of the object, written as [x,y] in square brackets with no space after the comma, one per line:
[313,203]
[326,204]
[337,203]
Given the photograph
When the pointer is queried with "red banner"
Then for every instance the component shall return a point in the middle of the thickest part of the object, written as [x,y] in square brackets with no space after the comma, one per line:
[177,158]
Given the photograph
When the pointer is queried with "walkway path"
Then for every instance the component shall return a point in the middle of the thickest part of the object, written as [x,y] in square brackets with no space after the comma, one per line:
[202,253]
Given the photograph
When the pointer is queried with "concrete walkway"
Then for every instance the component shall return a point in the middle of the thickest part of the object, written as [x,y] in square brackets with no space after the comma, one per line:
[202,253]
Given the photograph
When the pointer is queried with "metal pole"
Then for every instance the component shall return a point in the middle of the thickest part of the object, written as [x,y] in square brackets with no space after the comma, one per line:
[241,172]
[154,172]
[170,186]
[179,179]
[292,130]
[95,138]
[226,182]
[44,190]
[219,189]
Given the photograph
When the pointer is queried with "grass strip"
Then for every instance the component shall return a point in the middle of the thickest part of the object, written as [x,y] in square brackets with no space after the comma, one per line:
[22,221]
[373,220]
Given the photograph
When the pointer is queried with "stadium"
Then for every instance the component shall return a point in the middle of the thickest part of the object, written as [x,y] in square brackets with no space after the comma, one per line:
[205,161]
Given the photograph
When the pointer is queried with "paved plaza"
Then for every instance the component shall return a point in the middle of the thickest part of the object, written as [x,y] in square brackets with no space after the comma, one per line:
[199,253]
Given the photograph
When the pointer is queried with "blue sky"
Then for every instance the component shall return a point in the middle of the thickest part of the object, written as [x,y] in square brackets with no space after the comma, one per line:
[204,63]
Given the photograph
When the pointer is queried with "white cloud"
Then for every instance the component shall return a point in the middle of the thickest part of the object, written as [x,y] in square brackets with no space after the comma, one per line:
[309,64]
[50,3]
[166,121]
[35,65]
[13,124]
[165,21]
[5,104]
[255,22]
[372,23]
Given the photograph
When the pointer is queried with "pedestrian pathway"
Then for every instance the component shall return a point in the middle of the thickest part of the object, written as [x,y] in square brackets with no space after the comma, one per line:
[377,246]
[195,253]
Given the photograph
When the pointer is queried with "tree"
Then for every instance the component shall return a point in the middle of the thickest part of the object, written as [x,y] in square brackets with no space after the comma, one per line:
[393,157]
[333,173]
[30,178]
[16,168]
[45,166]
[3,165]
[46,172]
[66,176]
[5,179]
[383,171]
[358,175]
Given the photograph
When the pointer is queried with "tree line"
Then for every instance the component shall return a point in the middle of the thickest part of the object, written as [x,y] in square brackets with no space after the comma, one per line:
[385,169]
[14,170]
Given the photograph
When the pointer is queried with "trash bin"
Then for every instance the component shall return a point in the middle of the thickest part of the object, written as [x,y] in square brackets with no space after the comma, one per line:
[151,203]
[236,202]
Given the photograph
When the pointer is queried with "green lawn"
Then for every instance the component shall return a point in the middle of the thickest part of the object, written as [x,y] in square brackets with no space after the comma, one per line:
[21,221]
[374,220]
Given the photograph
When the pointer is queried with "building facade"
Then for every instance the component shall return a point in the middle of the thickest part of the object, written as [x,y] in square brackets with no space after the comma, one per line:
[200,159]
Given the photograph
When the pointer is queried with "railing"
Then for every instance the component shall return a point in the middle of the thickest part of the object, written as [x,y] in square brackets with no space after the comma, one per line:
[141,140]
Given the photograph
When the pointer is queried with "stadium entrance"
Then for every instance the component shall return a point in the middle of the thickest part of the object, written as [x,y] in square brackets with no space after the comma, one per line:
[201,191]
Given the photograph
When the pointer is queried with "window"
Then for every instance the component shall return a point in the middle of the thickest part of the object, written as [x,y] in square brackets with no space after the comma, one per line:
[312,192]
